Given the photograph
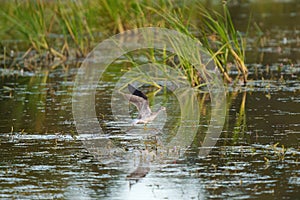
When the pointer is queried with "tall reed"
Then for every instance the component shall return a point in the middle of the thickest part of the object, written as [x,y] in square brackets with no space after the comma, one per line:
[219,32]
[72,20]
[34,22]
[77,23]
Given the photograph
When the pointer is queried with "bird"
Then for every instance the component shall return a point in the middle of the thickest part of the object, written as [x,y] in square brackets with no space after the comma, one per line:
[140,100]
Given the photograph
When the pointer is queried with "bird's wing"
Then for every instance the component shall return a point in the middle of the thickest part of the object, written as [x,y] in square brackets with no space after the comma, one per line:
[136,92]
[137,101]
[141,104]
[145,110]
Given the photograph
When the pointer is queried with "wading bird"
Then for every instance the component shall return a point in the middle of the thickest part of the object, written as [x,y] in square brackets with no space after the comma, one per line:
[140,100]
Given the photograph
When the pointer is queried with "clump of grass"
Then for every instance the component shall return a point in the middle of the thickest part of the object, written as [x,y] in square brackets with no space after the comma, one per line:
[71,16]
[120,14]
[218,32]
[37,21]
[217,35]
[76,22]
[123,15]
[34,22]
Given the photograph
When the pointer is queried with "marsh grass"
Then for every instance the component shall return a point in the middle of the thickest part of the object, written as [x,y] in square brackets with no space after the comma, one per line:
[76,24]
[122,15]
[72,20]
[33,22]
[219,32]
[218,36]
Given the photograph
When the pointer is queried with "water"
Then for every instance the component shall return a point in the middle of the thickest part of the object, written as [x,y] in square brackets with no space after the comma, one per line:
[256,156]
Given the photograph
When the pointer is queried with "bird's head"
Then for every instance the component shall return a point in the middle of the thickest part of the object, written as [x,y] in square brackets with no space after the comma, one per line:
[162,108]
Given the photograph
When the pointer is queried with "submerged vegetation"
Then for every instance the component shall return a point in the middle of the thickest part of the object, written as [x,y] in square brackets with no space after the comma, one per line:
[60,31]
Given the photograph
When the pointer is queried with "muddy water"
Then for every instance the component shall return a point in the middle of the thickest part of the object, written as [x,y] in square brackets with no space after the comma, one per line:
[256,157]
[42,157]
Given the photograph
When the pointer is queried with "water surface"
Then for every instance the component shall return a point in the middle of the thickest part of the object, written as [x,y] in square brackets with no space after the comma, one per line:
[256,157]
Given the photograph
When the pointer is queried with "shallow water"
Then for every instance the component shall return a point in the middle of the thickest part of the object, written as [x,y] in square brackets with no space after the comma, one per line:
[256,157]
[42,156]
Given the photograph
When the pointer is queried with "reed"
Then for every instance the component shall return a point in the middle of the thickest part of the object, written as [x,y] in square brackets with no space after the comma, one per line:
[219,33]
[73,22]
[70,28]
[33,21]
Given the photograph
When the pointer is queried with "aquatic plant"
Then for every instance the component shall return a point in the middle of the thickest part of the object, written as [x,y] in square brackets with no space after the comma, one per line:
[217,35]
[72,18]
[279,152]
[218,32]
[66,28]
[33,21]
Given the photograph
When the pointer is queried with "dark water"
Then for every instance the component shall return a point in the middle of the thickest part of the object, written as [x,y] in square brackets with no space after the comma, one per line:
[256,157]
